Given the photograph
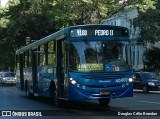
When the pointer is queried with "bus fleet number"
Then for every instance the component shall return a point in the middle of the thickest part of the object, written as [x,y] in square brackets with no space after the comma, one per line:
[82,32]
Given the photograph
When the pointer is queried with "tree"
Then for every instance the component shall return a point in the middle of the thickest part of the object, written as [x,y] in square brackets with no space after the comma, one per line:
[151,59]
[73,12]
[149,24]
[22,22]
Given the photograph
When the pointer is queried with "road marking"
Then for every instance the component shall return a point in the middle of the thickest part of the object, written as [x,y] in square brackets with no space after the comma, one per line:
[137,90]
[150,102]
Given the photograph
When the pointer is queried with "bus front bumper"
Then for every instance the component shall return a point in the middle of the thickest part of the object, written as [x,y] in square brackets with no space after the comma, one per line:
[75,93]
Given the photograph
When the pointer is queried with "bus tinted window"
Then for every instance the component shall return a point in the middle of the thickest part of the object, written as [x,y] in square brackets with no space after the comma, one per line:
[29,58]
[98,55]
[26,59]
[42,56]
[51,53]
[17,61]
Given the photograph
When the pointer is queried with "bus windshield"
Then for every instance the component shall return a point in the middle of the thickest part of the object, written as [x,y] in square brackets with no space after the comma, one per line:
[98,56]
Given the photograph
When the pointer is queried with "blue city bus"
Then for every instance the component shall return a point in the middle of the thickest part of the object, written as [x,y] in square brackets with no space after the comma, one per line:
[84,62]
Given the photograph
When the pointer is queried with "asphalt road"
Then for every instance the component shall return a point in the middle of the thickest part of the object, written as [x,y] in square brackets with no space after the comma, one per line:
[140,105]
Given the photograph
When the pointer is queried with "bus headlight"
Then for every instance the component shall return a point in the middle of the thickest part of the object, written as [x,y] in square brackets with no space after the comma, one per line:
[73,82]
[130,79]
[78,85]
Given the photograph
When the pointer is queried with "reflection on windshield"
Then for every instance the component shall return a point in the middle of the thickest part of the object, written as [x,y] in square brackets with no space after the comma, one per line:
[98,55]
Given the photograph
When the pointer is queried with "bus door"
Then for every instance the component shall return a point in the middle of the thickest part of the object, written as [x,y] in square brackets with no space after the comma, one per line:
[61,68]
[34,71]
[21,60]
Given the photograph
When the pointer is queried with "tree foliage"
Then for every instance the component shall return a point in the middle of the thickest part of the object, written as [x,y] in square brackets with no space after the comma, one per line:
[149,23]
[24,21]
[151,59]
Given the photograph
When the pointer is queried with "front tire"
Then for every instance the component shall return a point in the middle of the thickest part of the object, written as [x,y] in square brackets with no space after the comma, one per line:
[104,101]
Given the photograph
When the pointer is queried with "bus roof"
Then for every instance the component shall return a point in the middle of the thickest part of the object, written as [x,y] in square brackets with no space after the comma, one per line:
[61,34]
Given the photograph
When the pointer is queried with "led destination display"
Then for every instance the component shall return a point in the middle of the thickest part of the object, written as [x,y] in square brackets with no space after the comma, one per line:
[92,31]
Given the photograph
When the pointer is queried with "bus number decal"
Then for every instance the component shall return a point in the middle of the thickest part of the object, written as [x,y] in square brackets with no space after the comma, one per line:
[103,32]
[82,32]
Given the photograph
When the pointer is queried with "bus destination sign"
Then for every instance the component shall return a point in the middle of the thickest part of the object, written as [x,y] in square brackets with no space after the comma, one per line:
[98,32]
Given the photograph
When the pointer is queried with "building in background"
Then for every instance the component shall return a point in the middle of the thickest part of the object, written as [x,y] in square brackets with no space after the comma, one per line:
[125,18]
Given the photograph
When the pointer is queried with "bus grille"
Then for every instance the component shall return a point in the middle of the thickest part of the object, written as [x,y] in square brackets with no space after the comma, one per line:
[101,86]
[103,76]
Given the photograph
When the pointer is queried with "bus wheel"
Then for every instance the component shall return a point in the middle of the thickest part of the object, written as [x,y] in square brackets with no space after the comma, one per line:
[104,101]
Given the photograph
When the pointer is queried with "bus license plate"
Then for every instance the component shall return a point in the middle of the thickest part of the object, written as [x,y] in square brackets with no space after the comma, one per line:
[104,93]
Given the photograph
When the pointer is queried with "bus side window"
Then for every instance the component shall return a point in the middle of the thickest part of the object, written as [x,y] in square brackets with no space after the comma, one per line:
[51,53]
[42,56]
[26,59]
[17,61]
